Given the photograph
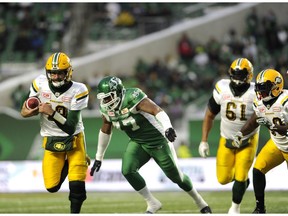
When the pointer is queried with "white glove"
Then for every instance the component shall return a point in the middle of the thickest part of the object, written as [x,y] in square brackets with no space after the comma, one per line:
[283,118]
[204,149]
[237,139]
[264,121]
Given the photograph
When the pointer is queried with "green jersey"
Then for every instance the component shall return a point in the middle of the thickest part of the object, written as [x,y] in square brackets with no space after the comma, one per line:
[141,127]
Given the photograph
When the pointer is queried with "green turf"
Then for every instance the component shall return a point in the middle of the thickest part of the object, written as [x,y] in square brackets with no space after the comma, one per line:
[131,202]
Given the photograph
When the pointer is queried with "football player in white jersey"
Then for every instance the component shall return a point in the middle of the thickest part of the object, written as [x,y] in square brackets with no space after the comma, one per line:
[61,102]
[151,136]
[233,99]
[271,110]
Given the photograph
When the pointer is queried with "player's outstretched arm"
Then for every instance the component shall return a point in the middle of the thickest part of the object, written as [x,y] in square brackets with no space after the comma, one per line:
[104,138]
[207,124]
[148,106]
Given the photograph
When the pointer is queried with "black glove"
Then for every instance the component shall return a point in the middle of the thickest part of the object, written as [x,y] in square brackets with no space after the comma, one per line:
[170,133]
[96,166]
[280,129]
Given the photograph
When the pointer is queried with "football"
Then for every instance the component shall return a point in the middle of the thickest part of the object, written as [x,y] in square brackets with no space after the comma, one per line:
[32,102]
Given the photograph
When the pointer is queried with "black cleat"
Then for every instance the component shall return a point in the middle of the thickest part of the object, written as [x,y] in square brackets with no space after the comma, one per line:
[258,210]
[206,210]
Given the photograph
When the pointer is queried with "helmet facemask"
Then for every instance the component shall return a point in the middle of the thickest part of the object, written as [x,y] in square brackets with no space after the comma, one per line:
[110,92]
[239,77]
[269,84]
[109,101]
[60,64]
[264,90]
[61,79]
[240,72]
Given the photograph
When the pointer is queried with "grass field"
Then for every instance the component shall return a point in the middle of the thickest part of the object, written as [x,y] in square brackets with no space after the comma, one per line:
[132,203]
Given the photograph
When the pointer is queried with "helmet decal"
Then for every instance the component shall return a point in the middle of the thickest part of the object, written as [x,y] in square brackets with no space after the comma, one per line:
[238,64]
[113,84]
[278,80]
[55,61]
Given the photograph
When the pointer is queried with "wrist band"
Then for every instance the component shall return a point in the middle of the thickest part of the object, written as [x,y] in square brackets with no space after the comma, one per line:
[103,142]
[164,119]
[58,117]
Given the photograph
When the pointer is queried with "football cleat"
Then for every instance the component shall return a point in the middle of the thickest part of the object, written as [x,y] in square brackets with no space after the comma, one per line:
[258,210]
[206,210]
[153,207]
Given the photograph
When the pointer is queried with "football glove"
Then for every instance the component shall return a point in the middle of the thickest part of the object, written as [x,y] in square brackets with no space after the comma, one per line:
[264,121]
[96,167]
[280,129]
[204,149]
[283,118]
[237,139]
[170,133]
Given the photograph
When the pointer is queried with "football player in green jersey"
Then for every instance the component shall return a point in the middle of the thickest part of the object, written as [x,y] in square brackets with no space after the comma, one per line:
[151,136]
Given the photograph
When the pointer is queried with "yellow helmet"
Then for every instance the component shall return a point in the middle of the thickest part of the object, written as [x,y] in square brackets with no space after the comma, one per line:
[269,84]
[58,63]
[241,71]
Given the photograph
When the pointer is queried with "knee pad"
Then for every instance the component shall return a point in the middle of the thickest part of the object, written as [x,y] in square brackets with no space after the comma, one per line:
[77,191]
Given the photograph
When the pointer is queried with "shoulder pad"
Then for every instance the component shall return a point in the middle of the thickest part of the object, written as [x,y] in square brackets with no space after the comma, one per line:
[132,97]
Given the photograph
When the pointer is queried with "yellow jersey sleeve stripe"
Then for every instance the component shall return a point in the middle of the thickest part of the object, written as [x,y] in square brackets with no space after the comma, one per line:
[34,86]
[284,101]
[217,88]
[82,95]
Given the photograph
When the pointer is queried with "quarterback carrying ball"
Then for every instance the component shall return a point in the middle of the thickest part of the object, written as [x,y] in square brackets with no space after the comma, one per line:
[61,127]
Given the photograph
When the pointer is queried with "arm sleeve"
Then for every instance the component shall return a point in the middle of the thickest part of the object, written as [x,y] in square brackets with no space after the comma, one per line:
[103,142]
[71,122]
[213,106]
[164,119]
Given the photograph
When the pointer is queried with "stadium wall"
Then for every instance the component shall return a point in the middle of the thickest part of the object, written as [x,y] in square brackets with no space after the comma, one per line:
[26,176]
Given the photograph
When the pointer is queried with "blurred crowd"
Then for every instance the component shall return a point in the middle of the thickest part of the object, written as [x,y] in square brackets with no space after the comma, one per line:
[29,30]
[175,81]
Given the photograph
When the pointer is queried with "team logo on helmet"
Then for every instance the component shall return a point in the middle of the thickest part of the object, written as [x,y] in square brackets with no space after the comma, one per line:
[113,82]
[278,80]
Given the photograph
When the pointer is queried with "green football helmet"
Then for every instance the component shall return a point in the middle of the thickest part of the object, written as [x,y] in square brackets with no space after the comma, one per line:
[110,91]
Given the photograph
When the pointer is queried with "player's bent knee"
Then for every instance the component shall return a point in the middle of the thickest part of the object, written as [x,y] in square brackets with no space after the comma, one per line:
[224,181]
[127,172]
[53,189]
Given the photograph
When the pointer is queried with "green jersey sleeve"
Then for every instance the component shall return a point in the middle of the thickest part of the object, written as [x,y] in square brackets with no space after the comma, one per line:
[133,96]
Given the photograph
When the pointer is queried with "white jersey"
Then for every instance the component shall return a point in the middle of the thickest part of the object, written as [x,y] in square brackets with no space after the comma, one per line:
[75,98]
[277,111]
[235,111]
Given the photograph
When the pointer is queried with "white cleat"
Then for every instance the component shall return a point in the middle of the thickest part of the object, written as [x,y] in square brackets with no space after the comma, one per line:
[153,207]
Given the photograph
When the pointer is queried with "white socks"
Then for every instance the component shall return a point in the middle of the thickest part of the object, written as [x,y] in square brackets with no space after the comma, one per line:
[146,194]
[234,209]
[199,201]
